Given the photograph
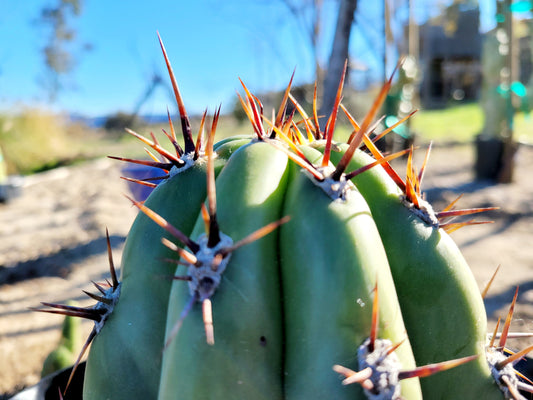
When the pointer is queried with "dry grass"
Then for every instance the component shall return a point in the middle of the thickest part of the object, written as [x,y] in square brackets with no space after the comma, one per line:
[34,140]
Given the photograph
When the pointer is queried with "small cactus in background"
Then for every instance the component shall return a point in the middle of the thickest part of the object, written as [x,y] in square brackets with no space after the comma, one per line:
[68,348]
[265,266]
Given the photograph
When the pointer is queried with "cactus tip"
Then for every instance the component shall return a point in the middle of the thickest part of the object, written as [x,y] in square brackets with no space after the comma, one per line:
[330,124]
[251,109]
[514,357]
[163,223]
[189,258]
[185,123]
[283,105]
[432,369]
[352,376]
[507,325]
[214,230]
[375,320]
[207,314]
[489,284]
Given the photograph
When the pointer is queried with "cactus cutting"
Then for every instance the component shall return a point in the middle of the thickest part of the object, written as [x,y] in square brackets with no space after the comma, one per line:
[287,265]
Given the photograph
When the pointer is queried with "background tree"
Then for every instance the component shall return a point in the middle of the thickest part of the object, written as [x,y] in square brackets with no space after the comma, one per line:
[339,53]
[59,49]
[496,147]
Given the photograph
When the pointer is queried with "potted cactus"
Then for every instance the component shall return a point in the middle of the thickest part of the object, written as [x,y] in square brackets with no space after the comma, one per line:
[285,265]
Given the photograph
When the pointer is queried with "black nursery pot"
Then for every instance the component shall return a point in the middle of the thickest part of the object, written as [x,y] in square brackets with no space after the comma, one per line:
[489,152]
[50,386]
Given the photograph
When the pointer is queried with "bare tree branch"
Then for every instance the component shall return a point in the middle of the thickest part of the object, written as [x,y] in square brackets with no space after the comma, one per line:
[57,52]
[339,54]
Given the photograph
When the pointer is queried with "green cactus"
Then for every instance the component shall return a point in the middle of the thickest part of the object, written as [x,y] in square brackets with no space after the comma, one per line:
[425,262]
[262,267]
[328,276]
[247,350]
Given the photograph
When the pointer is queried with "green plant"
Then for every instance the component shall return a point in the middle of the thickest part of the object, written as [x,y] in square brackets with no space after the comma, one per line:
[261,265]
[460,123]
[66,352]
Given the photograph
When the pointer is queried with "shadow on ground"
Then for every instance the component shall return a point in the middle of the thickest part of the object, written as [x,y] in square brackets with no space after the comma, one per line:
[58,264]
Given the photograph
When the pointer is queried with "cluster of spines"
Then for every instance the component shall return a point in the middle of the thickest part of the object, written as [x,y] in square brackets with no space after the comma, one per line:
[370,376]
[501,359]
[285,128]
[213,234]
[98,313]
[166,161]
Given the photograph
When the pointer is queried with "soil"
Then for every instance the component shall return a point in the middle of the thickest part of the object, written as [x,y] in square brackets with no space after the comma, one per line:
[53,245]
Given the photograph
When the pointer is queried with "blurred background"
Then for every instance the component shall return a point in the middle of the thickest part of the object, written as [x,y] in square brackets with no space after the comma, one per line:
[72,67]
[75,73]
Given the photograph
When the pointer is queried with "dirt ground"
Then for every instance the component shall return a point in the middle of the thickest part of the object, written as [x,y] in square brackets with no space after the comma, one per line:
[52,245]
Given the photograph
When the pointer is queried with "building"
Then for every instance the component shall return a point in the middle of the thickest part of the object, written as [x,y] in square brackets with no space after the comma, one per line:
[450,59]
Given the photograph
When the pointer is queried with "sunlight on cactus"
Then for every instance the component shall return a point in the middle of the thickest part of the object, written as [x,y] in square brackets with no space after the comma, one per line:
[286,265]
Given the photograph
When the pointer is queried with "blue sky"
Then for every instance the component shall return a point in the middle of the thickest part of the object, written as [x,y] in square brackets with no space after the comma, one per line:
[210,44]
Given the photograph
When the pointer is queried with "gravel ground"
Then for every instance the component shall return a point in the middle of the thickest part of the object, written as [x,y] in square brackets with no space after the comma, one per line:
[53,245]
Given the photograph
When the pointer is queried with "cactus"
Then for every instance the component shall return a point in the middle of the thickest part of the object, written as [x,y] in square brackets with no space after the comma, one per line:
[265,266]
[66,352]
[425,261]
